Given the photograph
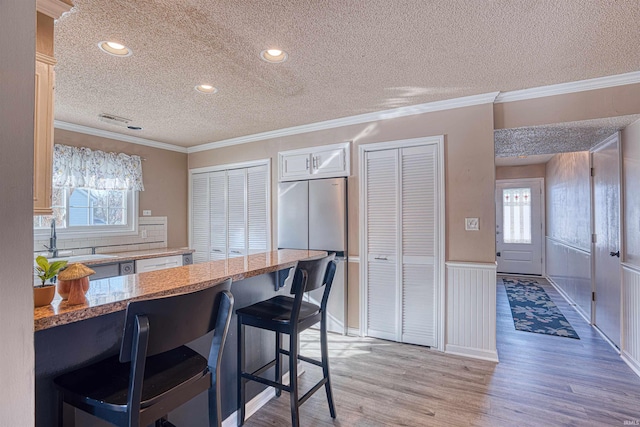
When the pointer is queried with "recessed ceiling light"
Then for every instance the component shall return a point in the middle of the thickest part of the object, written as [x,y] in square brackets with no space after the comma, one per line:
[274,55]
[204,88]
[114,48]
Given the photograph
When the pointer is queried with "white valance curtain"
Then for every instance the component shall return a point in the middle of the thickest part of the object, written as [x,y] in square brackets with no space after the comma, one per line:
[80,167]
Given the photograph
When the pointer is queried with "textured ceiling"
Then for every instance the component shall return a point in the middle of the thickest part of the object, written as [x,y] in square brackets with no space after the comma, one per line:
[557,138]
[346,57]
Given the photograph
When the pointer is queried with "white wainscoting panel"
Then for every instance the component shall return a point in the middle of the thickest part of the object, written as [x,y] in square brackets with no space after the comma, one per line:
[471,310]
[631,317]
[569,270]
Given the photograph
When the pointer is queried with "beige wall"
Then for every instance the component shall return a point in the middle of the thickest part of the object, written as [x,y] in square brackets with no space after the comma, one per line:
[17,85]
[592,104]
[568,196]
[521,172]
[469,170]
[165,179]
[631,179]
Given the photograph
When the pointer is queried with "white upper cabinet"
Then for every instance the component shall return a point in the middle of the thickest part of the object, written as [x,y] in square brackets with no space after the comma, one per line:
[326,161]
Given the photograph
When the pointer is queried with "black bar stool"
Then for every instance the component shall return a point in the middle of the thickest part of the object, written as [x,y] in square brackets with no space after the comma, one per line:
[155,372]
[285,315]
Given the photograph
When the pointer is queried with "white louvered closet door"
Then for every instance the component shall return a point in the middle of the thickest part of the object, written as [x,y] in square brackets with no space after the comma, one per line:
[200,231]
[257,209]
[382,238]
[237,211]
[218,214]
[418,234]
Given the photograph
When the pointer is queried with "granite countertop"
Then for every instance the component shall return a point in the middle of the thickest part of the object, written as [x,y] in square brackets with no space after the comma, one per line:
[111,295]
[130,255]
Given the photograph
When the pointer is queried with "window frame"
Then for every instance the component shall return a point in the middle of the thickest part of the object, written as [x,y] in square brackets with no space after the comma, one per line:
[96,231]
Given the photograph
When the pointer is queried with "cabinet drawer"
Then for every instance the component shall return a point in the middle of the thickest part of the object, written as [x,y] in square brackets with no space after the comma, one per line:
[153,264]
[104,271]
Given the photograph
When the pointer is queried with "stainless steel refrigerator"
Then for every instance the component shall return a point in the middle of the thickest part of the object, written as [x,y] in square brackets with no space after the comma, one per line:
[313,215]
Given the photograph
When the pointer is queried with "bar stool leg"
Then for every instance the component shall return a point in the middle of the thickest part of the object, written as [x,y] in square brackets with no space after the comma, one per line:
[241,390]
[325,364]
[278,363]
[293,378]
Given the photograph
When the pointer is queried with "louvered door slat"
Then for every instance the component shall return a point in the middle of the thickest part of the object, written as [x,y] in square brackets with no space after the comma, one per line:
[200,217]
[237,198]
[257,205]
[381,218]
[418,219]
[218,215]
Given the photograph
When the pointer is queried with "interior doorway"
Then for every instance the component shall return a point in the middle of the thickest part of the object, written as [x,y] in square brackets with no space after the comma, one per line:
[605,161]
[520,226]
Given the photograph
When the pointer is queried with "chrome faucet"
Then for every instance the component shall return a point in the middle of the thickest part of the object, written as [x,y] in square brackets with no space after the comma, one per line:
[52,248]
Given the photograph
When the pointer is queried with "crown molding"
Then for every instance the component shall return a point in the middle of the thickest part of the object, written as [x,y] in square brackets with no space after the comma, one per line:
[447,104]
[53,8]
[570,87]
[117,136]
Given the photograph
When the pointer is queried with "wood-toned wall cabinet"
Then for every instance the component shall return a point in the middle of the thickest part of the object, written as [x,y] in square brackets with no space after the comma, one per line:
[43,134]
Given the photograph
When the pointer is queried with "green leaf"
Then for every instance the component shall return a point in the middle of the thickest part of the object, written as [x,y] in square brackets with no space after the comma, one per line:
[42,262]
[56,266]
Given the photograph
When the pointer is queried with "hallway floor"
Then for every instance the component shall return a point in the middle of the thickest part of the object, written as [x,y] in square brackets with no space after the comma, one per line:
[541,380]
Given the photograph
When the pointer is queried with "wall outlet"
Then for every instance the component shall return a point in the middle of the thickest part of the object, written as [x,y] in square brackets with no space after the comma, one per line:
[471,224]
[144,234]
[146,212]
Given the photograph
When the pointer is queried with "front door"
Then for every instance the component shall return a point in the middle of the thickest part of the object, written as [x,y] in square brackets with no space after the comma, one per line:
[519,226]
[606,216]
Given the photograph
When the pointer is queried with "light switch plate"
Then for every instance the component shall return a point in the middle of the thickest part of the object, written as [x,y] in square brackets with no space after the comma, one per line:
[144,234]
[146,212]
[471,224]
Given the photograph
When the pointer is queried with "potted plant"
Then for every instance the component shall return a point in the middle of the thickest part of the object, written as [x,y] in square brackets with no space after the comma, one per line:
[43,294]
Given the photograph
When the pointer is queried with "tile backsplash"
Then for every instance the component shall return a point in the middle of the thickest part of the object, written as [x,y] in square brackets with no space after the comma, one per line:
[155,228]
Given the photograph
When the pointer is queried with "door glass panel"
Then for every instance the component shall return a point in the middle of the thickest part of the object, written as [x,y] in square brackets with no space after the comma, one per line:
[516,205]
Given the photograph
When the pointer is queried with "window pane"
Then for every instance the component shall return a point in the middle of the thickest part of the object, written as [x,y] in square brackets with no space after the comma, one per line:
[117,217]
[99,198]
[78,217]
[98,216]
[117,199]
[516,215]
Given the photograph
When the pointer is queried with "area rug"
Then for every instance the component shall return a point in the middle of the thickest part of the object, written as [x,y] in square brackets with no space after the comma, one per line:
[533,310]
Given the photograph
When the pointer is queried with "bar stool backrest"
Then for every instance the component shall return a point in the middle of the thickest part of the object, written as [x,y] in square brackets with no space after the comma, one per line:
[176,320]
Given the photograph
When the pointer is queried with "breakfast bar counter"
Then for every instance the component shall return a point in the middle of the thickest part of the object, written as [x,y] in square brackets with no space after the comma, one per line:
[67,337]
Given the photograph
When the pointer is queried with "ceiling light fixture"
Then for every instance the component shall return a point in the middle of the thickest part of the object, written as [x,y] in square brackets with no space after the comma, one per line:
[114,48]
[204,88]
[274,56]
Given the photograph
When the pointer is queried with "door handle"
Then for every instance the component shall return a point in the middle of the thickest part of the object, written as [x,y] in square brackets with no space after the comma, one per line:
[498,254]
[382,258]
[615,254]
[307,163]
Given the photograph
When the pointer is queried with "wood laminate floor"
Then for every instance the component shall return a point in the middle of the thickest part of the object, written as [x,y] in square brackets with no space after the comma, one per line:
[541,380]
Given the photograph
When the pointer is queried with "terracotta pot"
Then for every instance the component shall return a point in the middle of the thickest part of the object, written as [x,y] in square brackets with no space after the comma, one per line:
[74,290]
[43,295]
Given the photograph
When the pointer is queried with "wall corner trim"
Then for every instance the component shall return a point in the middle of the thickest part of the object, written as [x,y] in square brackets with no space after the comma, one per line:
[569,87]
[410,110]
[117,136]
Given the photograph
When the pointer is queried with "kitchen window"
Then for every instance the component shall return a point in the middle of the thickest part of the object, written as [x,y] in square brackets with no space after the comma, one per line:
[95,193]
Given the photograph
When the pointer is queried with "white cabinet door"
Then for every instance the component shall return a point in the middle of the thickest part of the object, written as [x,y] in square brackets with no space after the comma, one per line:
[296,165]
[381,225]
[418,213]
[237,212]
[257,209]
[401,219]
[218,215]
[200,225]
[161,263]
[329,162]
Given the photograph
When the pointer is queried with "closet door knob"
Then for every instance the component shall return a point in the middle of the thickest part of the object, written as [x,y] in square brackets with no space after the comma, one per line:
[615,254]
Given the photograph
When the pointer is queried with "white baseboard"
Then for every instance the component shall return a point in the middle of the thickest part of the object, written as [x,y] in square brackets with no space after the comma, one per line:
[567,298]
[252,406]
[353,332]
[491,356]
[629,360]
